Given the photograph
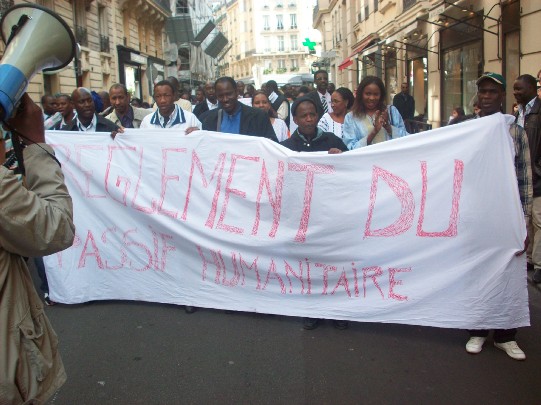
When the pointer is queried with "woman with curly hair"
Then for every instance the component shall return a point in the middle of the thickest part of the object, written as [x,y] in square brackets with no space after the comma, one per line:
[370,121]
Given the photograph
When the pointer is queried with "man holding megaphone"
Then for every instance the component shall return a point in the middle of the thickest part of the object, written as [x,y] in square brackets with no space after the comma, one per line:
[36,219]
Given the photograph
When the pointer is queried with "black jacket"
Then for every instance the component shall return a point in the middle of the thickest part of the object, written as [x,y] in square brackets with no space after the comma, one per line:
[316,96]
[253,121]
[200,108]
[103,125]
[322,144]
[405,105]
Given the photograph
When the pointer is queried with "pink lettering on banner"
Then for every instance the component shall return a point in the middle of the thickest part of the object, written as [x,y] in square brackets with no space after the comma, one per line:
[166,178]
[66,165]
[326,268]
[229,191]
[236,273]
[94,252]
[393,282]
[308,278]
[342,281]
[276,203]
[272,271]
[121,179]
[87,173]
[76,243]
[129,243]
[153,204]
[372,273]
[311,170]
[244,265]
[452,230]
[160,255]
[401,189]
[218,172]
[298,276]
[123,256]
[355,279]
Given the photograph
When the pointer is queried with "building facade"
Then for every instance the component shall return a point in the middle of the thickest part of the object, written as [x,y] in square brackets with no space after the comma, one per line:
[438,47]
[267,39]
[118,41]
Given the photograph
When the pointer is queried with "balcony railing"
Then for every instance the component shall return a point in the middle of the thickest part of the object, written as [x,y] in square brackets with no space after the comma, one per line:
[81,35]
[104,44]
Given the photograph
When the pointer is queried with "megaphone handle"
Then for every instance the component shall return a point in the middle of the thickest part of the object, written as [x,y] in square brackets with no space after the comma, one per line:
[17,27]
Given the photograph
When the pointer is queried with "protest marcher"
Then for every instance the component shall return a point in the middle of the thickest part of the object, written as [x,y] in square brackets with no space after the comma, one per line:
[341,101]
[320,95]
[168,113]
[87,120]
[36,220]
[48,104]
[240,89]
[405,104]
[458,115]
[106,101]
[262,102]
[278,101]
[309,138]
[186,105]
[370,121]
[210,102]
[234,117]
[529,118]
[123,114]
[65,107]
[491,94]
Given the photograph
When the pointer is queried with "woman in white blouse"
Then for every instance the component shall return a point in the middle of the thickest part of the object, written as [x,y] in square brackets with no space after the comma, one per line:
[260,100]
[341,101]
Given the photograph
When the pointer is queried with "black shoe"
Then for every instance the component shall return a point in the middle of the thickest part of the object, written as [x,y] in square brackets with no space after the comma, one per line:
[340,324]
[536,278]
[529,267]
[48,300]
[189,309]
[310,323]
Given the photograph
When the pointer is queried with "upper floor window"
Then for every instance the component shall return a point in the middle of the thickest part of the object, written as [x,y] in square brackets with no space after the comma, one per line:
[279,21]
[293,20]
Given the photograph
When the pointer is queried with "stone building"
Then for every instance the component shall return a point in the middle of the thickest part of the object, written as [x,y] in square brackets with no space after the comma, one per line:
[438,47]
[267,39]
[119,41]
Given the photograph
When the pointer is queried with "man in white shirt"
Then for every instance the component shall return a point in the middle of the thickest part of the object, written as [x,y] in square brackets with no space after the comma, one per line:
[321,96]
[168,114]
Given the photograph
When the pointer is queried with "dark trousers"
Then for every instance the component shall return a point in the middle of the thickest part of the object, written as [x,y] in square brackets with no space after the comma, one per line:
[500,335]
[44,286]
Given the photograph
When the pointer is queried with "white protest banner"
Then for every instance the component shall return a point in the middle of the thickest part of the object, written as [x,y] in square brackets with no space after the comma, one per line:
[420,230]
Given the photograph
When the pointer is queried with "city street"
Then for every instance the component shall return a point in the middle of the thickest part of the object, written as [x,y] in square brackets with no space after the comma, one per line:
[145,353]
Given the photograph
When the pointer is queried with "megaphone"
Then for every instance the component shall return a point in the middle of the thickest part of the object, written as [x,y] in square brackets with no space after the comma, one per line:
[37,39]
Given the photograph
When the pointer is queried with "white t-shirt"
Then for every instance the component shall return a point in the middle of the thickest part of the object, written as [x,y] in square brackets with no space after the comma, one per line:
[280,129]
[327,124]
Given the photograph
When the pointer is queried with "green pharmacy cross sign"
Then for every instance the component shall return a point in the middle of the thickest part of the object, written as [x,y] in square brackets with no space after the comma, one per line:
[310,45]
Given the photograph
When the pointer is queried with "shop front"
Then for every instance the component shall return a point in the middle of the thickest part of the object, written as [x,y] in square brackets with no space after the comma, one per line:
[132,66]
[461,65]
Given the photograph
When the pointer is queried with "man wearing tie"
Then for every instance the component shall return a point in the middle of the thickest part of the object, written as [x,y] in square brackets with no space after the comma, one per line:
[321,96]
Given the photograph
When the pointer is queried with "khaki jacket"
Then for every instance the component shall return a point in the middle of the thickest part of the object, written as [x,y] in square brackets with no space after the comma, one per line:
[138,115]
[34,221]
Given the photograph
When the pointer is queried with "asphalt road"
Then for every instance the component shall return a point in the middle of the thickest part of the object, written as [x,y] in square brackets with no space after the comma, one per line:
[119,352]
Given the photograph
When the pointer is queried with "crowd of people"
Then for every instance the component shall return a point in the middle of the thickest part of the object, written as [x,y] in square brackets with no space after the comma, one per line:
[303,119]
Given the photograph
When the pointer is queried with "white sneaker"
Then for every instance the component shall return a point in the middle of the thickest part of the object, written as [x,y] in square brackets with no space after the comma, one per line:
[475,344]
[512,350]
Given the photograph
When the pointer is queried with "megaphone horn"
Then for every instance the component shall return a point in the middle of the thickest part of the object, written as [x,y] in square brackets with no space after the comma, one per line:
[37,39]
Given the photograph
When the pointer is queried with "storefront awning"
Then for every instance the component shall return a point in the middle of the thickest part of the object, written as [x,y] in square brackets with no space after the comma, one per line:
[356,50]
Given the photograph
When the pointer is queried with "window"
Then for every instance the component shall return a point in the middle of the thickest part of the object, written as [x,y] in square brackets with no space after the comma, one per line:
[81,34]
[293,19]
[281,63]
[103,28]
[267,45]
[376,5]
[266,25]
[280,43]
[182,7]
[280,21]
[294,65]
[294,43]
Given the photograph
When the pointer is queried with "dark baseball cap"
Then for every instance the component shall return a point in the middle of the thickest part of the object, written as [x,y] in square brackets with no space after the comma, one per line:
[492,76]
